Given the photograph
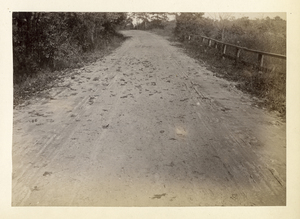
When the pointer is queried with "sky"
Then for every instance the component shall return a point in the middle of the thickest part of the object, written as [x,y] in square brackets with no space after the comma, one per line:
[251,15]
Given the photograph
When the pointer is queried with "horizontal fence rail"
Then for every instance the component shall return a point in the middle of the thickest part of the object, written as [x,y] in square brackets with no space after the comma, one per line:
[216,43]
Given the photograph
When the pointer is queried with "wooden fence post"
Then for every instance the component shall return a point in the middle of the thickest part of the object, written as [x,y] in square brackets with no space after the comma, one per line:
[260,61]
[209,42]
[216,45]
[224,50]
[237,55]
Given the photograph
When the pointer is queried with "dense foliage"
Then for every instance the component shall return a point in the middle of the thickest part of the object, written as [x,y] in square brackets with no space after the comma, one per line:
[261,34]
[149,20]
[56,40]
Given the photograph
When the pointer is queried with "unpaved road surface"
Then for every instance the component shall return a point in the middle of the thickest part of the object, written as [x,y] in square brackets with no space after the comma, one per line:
[147,126]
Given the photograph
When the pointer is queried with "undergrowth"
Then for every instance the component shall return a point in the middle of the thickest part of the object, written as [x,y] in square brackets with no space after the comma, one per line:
[31,85]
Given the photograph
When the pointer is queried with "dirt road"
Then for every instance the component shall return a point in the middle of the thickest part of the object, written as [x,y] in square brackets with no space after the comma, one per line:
[147,126]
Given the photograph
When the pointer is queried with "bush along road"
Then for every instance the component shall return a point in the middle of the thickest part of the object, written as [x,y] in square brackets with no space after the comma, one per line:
[147,126]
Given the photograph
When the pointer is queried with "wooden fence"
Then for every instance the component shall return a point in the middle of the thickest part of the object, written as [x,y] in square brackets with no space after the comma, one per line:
[238,49]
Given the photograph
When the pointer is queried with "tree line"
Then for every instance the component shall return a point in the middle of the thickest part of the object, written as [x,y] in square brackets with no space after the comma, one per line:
[148,20]
[54,40]
[261,34]
[264,34]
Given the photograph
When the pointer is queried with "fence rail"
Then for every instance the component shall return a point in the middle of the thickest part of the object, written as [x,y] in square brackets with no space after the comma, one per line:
[216,43]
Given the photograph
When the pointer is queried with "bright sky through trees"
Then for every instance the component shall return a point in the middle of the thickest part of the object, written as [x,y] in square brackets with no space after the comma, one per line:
[251,15]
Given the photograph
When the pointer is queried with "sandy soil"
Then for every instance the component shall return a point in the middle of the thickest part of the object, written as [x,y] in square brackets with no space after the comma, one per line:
[147,126]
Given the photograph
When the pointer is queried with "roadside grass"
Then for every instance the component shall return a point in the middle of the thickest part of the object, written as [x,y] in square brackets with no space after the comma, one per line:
[268,88]
[168,33]
[32,85]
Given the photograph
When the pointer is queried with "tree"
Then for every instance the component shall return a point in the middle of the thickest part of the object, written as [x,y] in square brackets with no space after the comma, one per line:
[158,19]
[46,40]
[142,19]
[189,23]
[222,22]
[149,20]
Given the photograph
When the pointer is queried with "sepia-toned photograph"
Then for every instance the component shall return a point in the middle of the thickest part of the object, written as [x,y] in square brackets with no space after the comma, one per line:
[149,109]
